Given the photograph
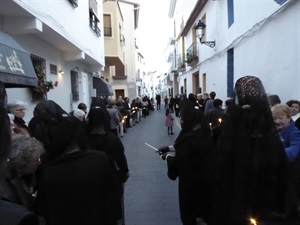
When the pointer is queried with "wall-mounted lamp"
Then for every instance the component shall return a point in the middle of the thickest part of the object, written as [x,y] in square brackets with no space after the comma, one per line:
[122,40]
[200,34]
[61,72]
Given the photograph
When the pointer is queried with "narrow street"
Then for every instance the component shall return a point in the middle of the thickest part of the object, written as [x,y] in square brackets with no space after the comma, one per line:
[151,198]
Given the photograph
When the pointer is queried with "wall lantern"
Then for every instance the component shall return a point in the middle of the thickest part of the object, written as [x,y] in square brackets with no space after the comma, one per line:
[200,27]
[122,40]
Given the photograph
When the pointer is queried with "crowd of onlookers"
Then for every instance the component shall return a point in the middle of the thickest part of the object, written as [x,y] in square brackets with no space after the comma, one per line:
[286,115]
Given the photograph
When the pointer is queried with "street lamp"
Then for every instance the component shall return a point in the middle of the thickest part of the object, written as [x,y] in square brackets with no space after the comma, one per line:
[200,27]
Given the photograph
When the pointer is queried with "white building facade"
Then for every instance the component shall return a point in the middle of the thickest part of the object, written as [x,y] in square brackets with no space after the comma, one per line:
[67,37]
[260,38]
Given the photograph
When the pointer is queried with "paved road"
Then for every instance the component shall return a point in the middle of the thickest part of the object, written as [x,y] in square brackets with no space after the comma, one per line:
[151,198]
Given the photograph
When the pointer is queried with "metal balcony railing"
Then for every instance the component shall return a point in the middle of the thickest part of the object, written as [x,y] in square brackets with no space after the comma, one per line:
[192,53]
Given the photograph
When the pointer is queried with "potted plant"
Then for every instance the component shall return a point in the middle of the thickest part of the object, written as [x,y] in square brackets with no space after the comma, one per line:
[43,86]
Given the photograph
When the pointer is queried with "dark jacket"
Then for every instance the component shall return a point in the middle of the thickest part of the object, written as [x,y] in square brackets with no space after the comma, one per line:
[15,202]
[15,214]
[188,165]
[214,116]
[113,147]
[13,188]
[250,171]
[77,188]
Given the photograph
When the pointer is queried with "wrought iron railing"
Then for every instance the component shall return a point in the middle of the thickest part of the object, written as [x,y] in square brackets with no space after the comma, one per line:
[192,53]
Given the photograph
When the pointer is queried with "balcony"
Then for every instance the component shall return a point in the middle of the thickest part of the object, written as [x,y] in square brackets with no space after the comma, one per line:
[181,64]
[192,54]
[19,20]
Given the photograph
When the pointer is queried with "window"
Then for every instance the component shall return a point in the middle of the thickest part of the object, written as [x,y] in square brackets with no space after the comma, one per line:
[94,21]
[53,69]
[230,72]
[107,25]
[230,11]
[74,85]
[39,65]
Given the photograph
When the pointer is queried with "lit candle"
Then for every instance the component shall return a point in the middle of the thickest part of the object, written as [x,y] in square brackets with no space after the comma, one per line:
[253,221]
[220,120]
[210,129]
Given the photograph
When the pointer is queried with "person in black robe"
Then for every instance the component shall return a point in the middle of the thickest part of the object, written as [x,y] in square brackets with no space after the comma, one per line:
[75,185]
[191,149]
[100,138]
[249,166]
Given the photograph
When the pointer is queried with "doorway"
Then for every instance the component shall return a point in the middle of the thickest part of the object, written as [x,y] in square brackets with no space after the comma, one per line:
[196,83]
[119,92]
[84,89]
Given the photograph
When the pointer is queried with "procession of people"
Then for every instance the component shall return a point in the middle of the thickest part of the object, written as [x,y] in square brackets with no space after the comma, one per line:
[237,164]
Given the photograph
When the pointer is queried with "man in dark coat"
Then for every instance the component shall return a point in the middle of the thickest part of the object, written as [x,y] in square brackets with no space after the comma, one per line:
[215,117]
[177,105]
[158,101]
[171,103]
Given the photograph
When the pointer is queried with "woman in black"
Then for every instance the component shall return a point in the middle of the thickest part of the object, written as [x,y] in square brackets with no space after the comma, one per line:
[100,138]
[75,185]
[249,164]
[191,149]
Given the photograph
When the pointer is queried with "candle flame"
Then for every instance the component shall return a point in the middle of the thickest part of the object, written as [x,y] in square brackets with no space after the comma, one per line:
[220,120]
[253,221]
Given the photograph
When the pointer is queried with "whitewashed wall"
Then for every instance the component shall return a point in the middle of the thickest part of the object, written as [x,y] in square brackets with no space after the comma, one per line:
[71,23]
[272,52]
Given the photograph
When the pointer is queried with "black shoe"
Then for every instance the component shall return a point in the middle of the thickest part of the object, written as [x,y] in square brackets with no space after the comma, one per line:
[168,133]
[172,133]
